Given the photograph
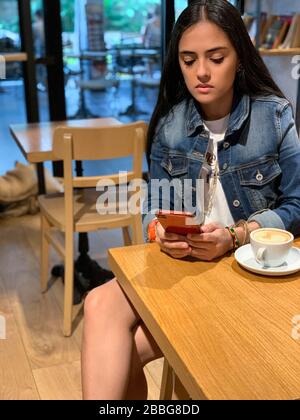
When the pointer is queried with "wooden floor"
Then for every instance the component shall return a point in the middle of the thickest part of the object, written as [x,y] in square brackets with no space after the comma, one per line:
[36,361]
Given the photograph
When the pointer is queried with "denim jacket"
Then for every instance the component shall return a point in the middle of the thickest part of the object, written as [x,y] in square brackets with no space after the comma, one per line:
[259,160]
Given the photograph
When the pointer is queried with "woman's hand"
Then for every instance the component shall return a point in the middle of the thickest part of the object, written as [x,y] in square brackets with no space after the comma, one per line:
[212,243]
[172,244]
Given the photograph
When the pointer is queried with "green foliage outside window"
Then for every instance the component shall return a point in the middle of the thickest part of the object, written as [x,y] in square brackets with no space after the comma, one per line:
[122,15]
[9,19]
[67,15]
[129,15]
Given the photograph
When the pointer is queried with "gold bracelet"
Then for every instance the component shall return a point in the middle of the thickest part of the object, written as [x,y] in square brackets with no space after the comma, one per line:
[242,223]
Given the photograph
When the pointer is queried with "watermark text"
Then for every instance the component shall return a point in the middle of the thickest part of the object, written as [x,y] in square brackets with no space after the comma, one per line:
[296,68]
[118,196]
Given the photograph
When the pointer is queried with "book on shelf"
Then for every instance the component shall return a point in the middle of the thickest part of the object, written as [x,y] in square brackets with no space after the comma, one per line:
[248,21]
[292,38]
[251,23]
[265,28]
[296,38]
[276,31]
[279,38]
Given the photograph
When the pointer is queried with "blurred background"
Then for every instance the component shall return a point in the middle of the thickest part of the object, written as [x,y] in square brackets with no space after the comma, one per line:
[111,53]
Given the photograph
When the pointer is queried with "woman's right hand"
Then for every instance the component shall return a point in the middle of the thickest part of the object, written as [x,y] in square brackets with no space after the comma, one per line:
[171,243]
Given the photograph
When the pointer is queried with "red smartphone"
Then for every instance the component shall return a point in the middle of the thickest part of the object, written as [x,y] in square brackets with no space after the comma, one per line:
[177,222]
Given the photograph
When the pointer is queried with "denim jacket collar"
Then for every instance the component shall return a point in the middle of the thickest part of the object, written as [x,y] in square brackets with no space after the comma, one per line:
[239,113]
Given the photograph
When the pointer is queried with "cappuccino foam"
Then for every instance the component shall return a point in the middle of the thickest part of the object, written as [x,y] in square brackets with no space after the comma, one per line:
[272,237]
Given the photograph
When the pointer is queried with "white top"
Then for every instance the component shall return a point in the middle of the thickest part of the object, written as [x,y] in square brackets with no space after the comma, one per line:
[220,211]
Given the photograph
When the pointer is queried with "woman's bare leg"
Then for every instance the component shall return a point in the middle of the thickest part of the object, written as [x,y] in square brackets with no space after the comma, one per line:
[144,351]
[109,322]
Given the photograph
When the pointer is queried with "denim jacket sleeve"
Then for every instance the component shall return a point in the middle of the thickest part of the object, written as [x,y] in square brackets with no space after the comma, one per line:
[286,215]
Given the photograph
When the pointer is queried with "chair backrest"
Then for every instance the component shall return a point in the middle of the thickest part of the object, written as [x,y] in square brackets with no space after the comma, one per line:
[99,143]
[77,143]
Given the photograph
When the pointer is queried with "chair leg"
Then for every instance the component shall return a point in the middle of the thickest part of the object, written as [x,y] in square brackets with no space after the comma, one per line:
[167,382]
[126,236]
[137,230]
[69,285]
[45,226]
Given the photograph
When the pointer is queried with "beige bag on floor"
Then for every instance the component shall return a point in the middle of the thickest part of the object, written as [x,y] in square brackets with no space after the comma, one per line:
[19,190]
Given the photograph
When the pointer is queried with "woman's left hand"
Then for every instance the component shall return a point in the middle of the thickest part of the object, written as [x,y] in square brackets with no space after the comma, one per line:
[213,242]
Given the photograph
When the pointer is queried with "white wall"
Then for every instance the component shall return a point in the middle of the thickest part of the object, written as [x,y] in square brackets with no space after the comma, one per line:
[281,70]
[275,7]
[279,66]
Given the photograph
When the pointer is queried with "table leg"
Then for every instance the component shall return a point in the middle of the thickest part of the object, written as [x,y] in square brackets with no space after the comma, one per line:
[167,382]
[88,274]
[131,109]
[82,111]
[41,178]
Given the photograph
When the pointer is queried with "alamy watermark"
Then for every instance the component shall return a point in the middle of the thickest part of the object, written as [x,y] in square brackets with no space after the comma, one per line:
[140,197]
[2,327]
[2,67]
[296,68]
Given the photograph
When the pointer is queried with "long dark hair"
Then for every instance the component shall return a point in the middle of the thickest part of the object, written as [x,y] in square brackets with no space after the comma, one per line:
[254,79]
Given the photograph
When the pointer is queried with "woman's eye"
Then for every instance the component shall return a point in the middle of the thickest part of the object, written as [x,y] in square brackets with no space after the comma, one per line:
[217,60]
[188,63]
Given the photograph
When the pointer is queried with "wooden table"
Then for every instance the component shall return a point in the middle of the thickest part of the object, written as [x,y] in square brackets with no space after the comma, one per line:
[226,332]
[35,139]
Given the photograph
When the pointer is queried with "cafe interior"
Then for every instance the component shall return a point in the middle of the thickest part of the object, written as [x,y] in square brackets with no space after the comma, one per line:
[85,69]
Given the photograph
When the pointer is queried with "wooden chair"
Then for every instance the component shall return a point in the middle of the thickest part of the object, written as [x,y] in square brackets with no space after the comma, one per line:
[75,210]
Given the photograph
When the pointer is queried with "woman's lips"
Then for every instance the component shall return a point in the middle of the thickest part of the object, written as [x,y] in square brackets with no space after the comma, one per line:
[204,88]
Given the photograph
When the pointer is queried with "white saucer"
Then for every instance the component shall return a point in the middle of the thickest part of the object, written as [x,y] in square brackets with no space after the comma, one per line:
[245,258]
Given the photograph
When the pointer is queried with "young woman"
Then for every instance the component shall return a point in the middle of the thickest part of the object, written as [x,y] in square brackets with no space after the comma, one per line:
[218,108]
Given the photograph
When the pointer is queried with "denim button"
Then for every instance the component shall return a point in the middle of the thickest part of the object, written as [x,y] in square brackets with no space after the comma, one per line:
[226,145]
[236,203]
[259,177]
[225,166]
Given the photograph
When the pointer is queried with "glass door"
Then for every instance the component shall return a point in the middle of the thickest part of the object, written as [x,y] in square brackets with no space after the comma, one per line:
[112,57]
[11,83]
[180,5]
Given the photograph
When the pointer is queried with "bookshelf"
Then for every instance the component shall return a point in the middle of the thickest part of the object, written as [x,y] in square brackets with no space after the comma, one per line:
[276,51]
[279,60]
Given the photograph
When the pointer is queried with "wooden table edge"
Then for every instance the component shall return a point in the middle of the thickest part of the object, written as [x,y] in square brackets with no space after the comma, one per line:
[32,157]
[180,369]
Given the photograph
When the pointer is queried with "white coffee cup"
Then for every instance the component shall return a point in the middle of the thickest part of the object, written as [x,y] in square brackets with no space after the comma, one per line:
[270,246]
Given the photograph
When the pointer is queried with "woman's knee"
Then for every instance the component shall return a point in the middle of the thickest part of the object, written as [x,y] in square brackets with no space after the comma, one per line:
[108,302]
[100,299]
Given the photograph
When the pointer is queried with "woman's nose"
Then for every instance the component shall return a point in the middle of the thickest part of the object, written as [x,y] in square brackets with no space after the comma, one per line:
[203,71]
